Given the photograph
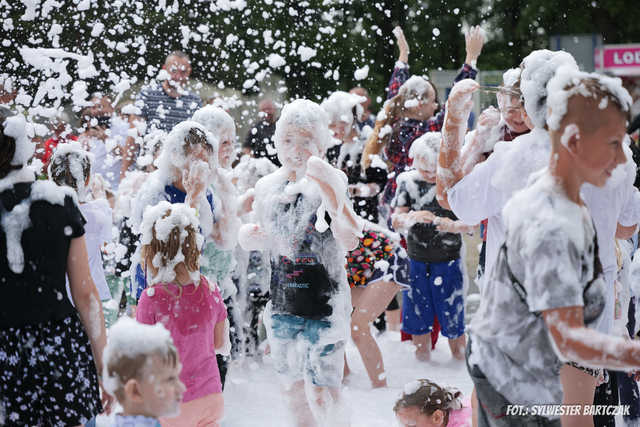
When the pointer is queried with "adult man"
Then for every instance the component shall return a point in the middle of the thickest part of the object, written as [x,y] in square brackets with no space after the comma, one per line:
[164,105]
[259,139]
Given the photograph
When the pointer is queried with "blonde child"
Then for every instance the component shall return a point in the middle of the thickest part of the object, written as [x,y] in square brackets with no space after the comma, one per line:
[188,305]
[141,369]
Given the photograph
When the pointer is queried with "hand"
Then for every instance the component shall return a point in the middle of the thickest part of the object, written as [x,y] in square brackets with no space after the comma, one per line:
[460,100]
[474,40]
[329,179]
[403,46]
[195,181]
[488,119]
[247,204]
[106,398]
[422,216]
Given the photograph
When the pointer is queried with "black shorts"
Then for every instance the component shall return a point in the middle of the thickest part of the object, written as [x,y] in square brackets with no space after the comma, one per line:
[47,375]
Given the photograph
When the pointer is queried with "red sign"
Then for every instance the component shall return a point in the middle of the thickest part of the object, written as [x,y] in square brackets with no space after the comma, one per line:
[620,59]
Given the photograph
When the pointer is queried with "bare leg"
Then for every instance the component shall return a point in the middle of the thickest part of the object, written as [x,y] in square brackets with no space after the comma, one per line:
[393,319]
[423,346]
[369,303]
[297,401]
[474,408]
[578,389]
[328,406]
[457,347]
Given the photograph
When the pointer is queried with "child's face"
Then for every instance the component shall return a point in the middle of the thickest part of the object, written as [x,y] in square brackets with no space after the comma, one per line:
[161,390]
[413,417]
[296,147]
[513,115]
[426,167]
[599,152]
[339,129]
[225,151]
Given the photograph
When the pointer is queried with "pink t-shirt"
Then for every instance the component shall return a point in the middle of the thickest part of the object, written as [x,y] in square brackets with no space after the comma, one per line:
[190,313]
[461,417]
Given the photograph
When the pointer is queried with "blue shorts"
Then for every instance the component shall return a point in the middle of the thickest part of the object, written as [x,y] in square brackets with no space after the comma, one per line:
[436,290]
[306,348]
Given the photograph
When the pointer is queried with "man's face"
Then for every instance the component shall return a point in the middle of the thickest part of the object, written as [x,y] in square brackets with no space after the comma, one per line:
[268,112]
[162,390]
[599,152]
[178,68]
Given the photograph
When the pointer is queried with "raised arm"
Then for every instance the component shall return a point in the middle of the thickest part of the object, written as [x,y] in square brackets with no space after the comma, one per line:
[401,70]
[450,165]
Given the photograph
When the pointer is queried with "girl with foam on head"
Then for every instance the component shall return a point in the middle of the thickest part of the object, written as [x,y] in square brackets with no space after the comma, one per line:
[187,304]
[426,404]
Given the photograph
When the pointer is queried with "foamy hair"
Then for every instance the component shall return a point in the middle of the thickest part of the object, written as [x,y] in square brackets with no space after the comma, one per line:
[339,107]
[537,69]
[216,120]
[71,165]
[568,82]
[510,79]
[424,151]
[129,349]
[306,115]
[159,222]
[414,87]
[21,131]
[173,149]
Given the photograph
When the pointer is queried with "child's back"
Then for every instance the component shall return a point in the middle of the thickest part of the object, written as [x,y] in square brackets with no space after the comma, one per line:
[190,313]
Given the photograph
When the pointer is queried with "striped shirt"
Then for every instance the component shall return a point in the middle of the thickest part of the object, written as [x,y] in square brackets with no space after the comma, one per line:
[163,111]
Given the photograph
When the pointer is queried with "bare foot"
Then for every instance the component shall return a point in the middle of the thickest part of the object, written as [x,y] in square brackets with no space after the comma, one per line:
[423,356]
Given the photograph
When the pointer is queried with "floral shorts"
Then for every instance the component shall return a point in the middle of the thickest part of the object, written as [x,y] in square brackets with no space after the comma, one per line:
[376,258]
[47,375]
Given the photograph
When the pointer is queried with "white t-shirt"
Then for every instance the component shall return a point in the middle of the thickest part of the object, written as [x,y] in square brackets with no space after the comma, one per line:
[487,188]
[98,231]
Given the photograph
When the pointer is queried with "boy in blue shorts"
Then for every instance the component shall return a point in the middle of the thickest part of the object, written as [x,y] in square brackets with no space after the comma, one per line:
[433,245]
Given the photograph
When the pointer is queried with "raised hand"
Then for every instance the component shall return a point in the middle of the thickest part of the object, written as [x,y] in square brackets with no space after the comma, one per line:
[474,40]
[403,46]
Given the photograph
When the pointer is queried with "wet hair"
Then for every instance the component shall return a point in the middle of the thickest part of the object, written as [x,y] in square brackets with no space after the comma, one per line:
[126,367]
[196,137]
[428,397]
[62,166]
[168,249]
[7,151]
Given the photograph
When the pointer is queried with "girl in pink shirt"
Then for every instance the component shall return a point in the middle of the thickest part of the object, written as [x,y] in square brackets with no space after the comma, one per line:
[187,304]
[426,404]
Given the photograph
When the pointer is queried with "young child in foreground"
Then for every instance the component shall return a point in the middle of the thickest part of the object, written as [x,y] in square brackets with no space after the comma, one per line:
[547,286]
[141,369]
[433,245]
[188,305]
[426,404]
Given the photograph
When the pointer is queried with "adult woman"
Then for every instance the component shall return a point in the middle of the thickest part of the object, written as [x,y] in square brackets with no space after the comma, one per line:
[49,376]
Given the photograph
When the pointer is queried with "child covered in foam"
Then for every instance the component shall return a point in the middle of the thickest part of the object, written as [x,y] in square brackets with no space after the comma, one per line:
[433,245]
[306,224]
[426,404]
[187,304]
[71,166]
[141,369]
[546,287]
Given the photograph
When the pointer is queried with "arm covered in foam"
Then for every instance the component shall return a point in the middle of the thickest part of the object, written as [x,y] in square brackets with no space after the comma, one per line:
[450,165]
